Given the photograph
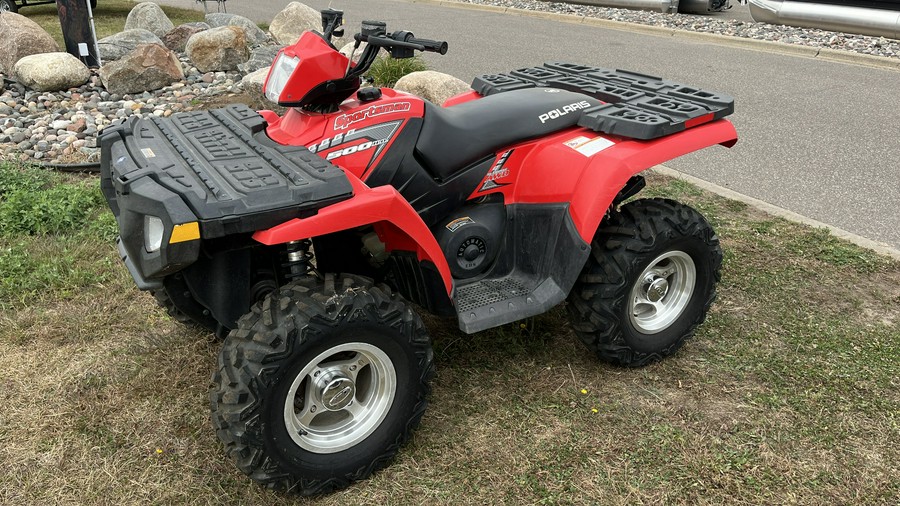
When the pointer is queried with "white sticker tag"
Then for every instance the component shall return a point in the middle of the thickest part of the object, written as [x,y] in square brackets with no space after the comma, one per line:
[589,147]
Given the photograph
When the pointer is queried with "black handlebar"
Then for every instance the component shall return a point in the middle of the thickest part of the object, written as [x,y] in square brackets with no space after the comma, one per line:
[401,39]
[399,44]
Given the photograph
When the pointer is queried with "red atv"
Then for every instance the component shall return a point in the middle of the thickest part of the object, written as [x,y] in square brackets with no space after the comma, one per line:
[307,238]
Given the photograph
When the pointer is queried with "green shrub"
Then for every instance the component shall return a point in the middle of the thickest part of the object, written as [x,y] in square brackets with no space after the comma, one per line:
[385,72]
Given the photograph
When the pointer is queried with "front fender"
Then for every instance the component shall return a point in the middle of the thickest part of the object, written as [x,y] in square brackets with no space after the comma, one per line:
[368,206]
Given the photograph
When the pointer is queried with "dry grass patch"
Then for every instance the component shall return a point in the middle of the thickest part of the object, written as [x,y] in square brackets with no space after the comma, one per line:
[787,394]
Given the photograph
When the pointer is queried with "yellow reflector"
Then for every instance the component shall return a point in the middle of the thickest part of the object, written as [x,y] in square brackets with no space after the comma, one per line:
[185,232]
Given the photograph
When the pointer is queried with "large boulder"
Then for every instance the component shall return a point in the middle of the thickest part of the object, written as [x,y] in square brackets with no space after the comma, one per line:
[253,83]
[21,37]
[222,48]
[432,86]
[149,16]
[116,46]
[291,22]
[260,57]
[255,36]
[51,71]
[149,67]
[177,37]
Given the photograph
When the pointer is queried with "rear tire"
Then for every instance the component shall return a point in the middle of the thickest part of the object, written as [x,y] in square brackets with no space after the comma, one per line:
[648,284]
[8,6]
[321,384]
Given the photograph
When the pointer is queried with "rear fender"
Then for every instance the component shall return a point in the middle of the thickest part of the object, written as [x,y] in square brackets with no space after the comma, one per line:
[556,171]
[396,222]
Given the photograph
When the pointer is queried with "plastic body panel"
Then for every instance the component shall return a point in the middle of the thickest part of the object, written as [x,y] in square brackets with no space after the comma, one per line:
[319,63]
[398,224]
[554,170]
[339,136]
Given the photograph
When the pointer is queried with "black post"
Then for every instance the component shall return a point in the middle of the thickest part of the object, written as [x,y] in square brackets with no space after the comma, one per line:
[78,30]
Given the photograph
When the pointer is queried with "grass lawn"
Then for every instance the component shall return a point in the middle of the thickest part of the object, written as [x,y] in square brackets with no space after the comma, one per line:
[789,393]
[109,17]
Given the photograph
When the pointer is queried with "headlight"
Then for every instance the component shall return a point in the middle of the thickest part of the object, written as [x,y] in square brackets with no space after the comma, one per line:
[153,233]
[279,75]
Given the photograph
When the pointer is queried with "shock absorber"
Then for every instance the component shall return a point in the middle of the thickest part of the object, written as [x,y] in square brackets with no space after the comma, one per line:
[299,259]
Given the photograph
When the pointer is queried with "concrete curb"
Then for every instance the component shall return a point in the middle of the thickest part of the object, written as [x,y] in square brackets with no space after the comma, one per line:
[876,246]
[766,46]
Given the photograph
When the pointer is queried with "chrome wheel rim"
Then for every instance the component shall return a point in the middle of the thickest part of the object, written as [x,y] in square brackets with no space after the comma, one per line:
[340,397]
[662,292]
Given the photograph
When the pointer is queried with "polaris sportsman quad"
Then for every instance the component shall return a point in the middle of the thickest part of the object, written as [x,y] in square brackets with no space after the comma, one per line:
[306,239]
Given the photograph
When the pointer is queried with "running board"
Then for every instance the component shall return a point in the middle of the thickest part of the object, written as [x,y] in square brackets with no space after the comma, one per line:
[529,277]
[493,302]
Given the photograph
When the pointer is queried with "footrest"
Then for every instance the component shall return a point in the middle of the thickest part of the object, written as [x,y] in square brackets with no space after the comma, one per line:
[637,105]
[492,302]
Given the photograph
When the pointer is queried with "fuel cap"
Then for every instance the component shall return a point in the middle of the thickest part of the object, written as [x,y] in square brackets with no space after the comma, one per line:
[368,94]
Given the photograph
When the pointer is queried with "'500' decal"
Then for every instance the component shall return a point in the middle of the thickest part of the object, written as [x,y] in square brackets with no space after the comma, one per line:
[355,149]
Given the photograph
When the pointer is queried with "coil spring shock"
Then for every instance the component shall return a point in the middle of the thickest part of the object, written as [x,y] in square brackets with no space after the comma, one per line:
[299,259]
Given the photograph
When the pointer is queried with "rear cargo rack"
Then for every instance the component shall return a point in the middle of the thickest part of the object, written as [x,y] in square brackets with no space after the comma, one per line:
[637,105]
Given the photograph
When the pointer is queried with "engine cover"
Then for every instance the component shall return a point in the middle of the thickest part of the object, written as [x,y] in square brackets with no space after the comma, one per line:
[470,238]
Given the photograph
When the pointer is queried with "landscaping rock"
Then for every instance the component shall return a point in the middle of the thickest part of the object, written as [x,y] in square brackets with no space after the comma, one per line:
[177,37]
[260,57]
[51,71]
[222,48]
[435,87]
[21,37]
[149,67]
[253,83]
[291,22]
[116,46]
[149,16]
[255,36]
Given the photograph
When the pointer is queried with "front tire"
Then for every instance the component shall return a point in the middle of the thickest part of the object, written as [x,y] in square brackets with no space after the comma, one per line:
[321,383]
[648,284]
[8,6]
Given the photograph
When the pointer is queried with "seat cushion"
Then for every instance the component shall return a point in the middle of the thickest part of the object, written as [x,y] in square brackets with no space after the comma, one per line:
[454,137]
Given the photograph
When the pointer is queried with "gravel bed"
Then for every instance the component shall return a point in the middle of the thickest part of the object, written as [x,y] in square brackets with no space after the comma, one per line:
[62,126]
[864,44]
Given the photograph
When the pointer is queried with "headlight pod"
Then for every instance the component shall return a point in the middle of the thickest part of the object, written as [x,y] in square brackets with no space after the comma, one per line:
[153,233]
[279,75]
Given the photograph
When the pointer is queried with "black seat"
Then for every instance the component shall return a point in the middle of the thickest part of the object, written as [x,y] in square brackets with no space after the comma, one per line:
[454,137]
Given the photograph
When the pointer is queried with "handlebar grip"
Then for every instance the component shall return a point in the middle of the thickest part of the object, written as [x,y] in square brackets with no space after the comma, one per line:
[388,43]
[435,46]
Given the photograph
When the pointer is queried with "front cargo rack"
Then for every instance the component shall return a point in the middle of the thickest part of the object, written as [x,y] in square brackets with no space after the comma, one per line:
[637,105]
[222,165]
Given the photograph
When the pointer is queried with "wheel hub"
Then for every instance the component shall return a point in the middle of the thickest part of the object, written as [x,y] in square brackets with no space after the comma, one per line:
[657,289]
[340,397]
[335,391]
[662,292]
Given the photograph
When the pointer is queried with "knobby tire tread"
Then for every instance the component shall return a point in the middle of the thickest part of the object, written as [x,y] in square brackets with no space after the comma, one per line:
[597,300]
[248,365]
